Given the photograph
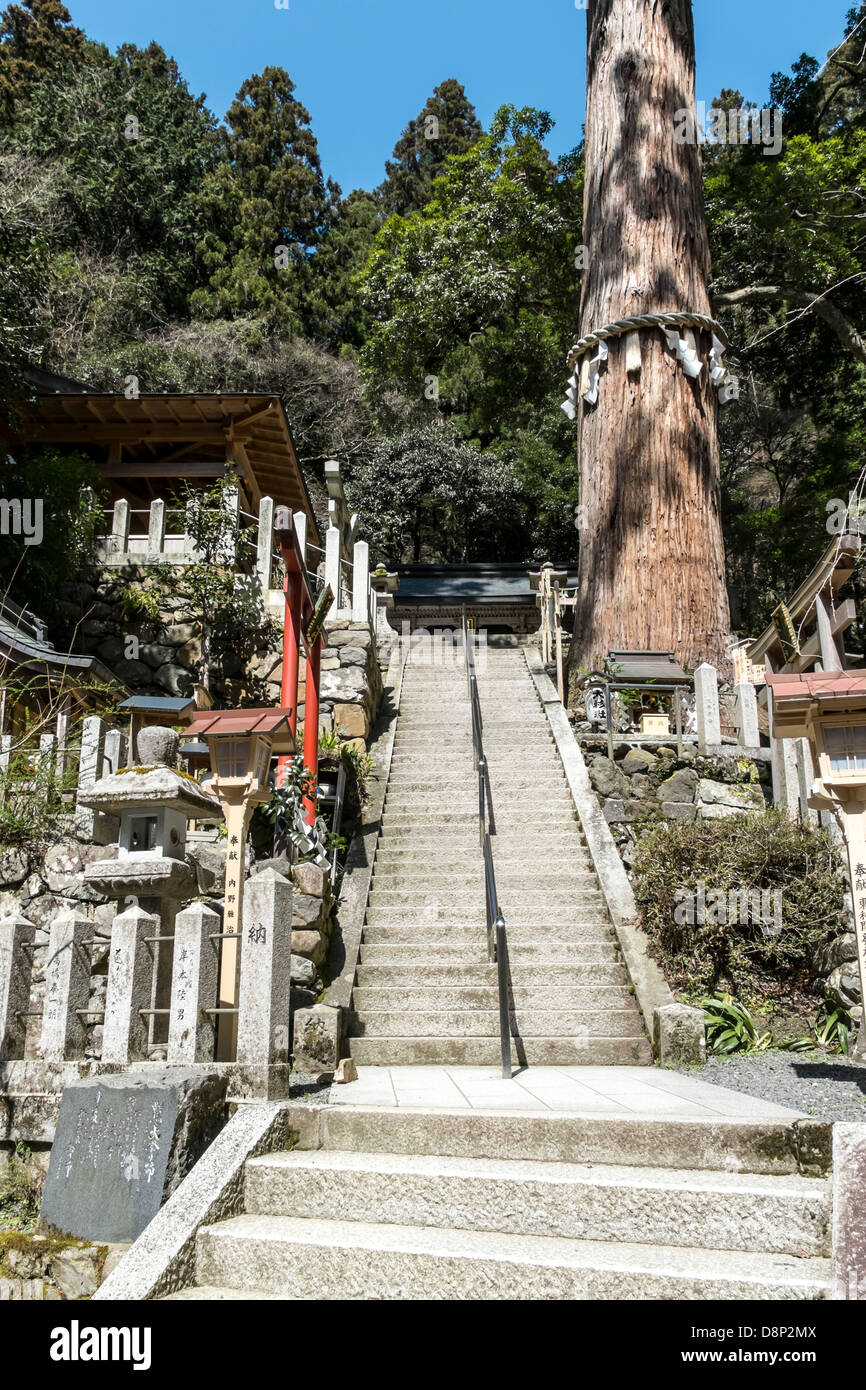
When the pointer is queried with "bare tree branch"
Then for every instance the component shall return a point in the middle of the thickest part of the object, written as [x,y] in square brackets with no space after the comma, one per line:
[801,299]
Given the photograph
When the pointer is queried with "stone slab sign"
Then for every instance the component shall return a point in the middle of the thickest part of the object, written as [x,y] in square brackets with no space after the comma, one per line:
[122,1146]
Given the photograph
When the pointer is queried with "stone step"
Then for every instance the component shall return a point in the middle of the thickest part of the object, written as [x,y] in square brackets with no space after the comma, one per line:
[527,840]
[212,1293]
[466,792]
[525,920]
[452,932]
[423,879]
[784,1215]
[725,1144]
[445,818]
[435,953]
[485,1052]
[569,1025]
[409,975]
[471,888]
[379,999]
[532,893]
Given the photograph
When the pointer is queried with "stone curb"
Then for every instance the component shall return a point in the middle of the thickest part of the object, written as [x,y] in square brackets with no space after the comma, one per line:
[358,873]
[162,1260]
[651,988]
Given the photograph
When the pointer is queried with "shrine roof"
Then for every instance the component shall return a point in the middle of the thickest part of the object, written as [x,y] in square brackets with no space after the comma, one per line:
[238,722]
[815,685]
[636,667]
[494,583]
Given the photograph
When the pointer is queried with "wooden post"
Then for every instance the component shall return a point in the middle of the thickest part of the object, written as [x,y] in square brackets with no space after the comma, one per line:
[830,657]
[311,724]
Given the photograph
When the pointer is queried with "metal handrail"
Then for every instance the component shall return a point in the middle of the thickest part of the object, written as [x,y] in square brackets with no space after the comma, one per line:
[497,944]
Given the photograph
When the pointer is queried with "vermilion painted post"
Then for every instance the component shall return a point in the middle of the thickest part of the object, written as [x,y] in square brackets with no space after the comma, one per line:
[293,589]
[311,724]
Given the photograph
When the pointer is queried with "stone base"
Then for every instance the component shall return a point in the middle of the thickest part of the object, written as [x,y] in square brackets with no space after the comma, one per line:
[680,1036]
[30,1091]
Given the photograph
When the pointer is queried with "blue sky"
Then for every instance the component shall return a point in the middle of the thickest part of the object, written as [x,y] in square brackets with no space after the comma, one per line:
[363,68]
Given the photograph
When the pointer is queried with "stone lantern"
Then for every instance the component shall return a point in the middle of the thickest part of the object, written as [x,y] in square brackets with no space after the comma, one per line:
[829,708]
[154,803]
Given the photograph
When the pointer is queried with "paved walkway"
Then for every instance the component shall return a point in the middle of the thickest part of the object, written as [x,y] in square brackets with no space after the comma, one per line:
[583,1090]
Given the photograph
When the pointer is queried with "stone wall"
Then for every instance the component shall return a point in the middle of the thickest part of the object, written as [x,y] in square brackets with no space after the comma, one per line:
[36,1268]
[351,682]
[164,655]
[38,884]
[643,784]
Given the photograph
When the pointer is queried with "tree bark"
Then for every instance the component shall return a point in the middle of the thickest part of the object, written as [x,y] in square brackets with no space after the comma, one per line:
[651,554]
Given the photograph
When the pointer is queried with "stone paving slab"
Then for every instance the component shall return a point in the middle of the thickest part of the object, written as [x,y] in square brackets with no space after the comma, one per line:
[577,1090]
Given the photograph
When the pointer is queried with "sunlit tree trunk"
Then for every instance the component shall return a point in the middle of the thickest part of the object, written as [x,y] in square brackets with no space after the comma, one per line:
[651,554]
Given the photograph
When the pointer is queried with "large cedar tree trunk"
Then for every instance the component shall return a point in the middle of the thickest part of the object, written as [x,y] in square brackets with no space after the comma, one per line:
[651,555]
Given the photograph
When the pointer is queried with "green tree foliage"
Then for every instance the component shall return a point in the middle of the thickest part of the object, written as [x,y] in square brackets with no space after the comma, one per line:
[104,160]
[766,851]
[480,292]
[447,126]
[790,266]
[268,206]
[35,38]
[428,494]
[68,488]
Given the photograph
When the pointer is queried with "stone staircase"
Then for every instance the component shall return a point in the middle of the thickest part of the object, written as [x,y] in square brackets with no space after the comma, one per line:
[425,993]
[412,1204]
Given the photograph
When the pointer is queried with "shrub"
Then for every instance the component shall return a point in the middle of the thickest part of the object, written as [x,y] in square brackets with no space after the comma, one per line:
[765,851]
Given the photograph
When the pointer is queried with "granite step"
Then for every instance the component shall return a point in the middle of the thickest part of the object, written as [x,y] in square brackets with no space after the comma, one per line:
[787,1215]
[602,1051]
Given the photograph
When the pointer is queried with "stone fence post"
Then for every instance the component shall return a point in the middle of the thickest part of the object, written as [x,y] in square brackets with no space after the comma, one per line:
[118,541]
[707,706]
[361,582]
[130,986]
[265,984]
[156,528]
[333,565]
[265,545]
[67,988]
[194,986]
[17,937]
[747,714]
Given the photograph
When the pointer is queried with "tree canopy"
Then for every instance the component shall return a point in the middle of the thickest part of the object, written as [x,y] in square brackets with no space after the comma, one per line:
[418,330]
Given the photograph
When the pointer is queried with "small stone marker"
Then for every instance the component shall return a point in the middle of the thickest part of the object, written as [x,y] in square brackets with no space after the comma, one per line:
[849,1211]
[318,1039]
[130,986]
[264,997]
[346,1072]
[747,714]
[122,1146]
[195,979]
[680,1036]
[67,988]
[17,936]
[707,705]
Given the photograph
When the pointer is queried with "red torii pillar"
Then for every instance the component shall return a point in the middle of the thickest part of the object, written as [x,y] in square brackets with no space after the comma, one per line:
[299,608]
